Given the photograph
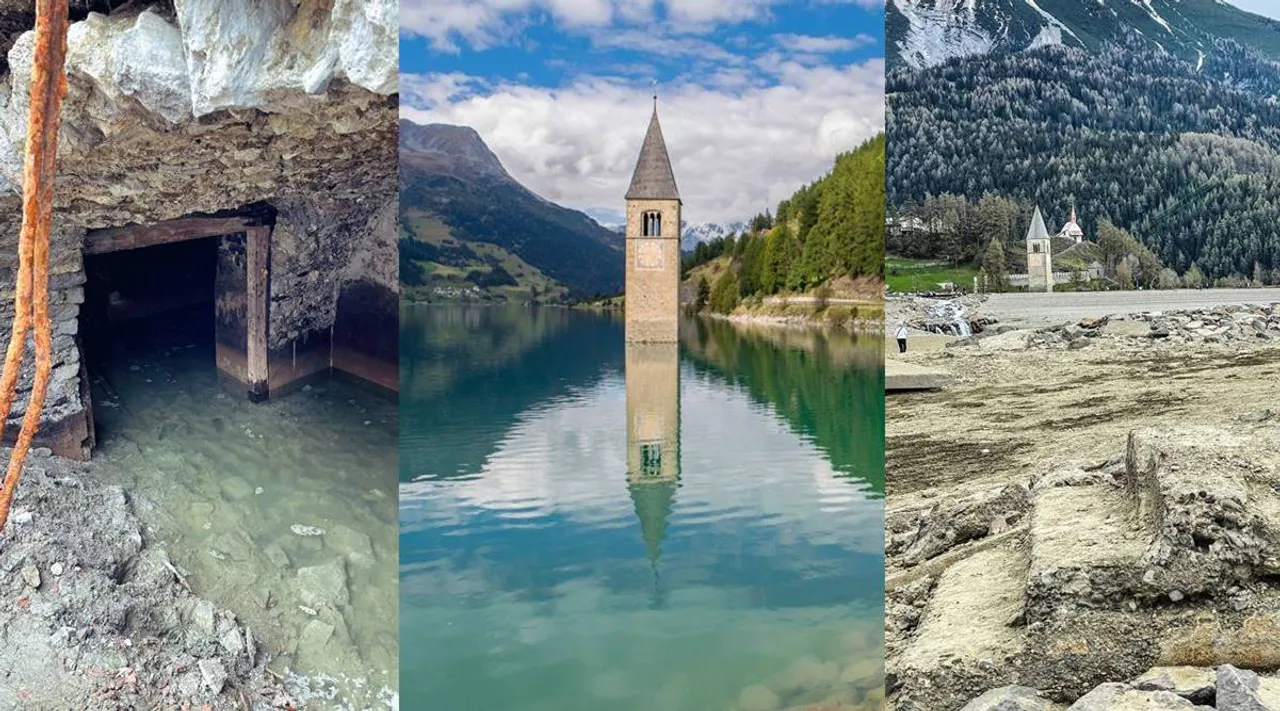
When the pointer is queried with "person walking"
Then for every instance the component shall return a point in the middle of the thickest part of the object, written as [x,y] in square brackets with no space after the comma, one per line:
[901,335]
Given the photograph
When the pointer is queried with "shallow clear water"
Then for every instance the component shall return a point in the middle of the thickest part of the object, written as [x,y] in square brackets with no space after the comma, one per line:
[222,482]
[587,525]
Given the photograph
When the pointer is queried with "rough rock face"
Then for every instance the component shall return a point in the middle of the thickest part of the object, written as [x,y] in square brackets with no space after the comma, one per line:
[200,106]
[1166,557]
[85,588]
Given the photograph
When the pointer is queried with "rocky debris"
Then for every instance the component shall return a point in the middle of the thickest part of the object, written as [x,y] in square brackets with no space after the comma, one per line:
[1241,323]
[1164,558]
[1160,689]
[1121,697]
[1242,690]
[1012,698]
[111,610]
[917,536]
[1195,684]
[949,316]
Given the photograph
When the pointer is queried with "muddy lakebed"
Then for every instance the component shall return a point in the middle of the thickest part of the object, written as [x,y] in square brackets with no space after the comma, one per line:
[1085,507]
[283,512]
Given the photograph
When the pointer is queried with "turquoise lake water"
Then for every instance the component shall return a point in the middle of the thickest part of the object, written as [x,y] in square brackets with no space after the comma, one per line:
[587,525]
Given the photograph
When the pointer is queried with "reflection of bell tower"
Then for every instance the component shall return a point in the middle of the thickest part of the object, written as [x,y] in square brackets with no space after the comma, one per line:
[653,436]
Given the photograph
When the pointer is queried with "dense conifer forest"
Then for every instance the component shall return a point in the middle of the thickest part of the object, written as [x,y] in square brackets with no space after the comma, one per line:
[1186,159]
[831,228]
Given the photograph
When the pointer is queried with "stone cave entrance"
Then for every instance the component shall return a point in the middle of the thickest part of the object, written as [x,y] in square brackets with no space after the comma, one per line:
[197,285]
[196,293]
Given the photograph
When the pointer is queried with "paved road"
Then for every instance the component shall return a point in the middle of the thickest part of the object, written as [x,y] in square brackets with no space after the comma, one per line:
[1036,310]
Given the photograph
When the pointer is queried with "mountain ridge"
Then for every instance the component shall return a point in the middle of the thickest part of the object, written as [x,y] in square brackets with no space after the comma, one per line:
[450,177]
[928,33]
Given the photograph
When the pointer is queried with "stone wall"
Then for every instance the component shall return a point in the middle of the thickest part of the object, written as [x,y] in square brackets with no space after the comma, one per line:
[66,424]
[366,338]
[199,106]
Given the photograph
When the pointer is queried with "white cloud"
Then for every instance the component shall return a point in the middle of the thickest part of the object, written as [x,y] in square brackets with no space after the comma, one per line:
[665,45]
[736,146]
[810,44]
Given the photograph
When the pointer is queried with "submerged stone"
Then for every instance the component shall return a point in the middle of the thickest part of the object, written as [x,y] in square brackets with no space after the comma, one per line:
[325,584]
[236,488]
[757,698]
[352,544]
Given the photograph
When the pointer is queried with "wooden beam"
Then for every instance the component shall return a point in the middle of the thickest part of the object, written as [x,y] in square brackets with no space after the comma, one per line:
[116,239]
[258,294]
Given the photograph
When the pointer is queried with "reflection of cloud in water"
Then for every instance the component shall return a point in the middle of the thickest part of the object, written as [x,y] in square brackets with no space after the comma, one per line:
[742,466]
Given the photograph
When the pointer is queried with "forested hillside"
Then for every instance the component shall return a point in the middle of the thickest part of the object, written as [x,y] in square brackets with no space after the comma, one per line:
[467,227]
[1186,160]
[831,228]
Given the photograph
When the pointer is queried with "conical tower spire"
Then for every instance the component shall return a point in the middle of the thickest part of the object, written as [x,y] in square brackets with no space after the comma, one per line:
[653,179]
[1037,230]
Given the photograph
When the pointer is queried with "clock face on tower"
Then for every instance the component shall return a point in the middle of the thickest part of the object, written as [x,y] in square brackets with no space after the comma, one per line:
[649,255]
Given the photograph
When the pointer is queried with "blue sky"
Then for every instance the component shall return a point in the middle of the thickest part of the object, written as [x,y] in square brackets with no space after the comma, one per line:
[1270,8]
[756,96]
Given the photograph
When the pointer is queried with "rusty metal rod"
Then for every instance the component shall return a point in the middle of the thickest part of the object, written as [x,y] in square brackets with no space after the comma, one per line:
[31,297]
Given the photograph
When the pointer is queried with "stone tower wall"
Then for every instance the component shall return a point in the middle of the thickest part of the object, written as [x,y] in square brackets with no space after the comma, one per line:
[1040,266]
[653,274]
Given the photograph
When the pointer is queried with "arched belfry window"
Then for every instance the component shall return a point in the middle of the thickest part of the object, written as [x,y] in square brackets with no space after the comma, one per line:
[652,224]
[1035,248]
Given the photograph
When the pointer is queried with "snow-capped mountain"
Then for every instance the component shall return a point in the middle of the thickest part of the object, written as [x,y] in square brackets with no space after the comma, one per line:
[925,33]
[706,231]
[693,233]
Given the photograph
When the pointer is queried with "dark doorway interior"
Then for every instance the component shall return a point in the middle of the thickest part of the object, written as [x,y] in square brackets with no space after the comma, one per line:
[143,304]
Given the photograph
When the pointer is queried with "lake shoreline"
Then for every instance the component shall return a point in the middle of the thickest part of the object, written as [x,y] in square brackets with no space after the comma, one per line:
[856,326]
[790,316]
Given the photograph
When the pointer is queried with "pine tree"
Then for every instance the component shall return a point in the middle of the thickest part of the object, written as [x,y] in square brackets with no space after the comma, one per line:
[993,266]
[704,293]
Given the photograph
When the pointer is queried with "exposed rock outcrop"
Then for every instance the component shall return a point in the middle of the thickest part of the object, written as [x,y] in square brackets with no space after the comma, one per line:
[201,106]
[1166,557]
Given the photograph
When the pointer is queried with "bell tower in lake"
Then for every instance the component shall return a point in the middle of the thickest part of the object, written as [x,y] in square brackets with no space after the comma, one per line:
[653,244]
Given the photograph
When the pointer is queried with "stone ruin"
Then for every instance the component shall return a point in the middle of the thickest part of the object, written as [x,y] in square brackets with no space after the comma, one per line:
[1093,575]
[267,125]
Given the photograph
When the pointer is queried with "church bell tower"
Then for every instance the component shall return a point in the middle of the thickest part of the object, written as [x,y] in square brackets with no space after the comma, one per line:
[1039,255]
[653,244]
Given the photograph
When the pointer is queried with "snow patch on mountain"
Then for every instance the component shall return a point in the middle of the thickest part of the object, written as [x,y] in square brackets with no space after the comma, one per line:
[1146,5]
[1053,20]
[948,30]
[707,231]
[1049,35]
